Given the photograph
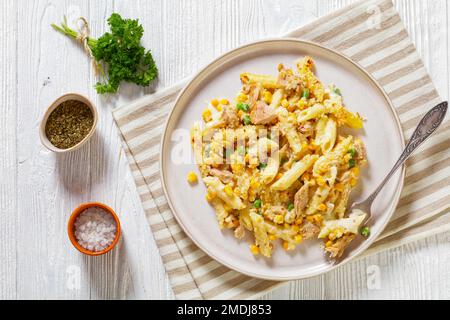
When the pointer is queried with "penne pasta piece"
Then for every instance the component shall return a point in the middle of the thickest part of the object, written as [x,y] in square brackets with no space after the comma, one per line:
[345,225]
[261,236]
[218,187]
[197,142]
[295,172]
[244,219]
[333,158]
[321,193]
[341,202]
[270,171]
[289,130]
[316,111]
[266,81]
[286,234]
[276,98]
[326,131]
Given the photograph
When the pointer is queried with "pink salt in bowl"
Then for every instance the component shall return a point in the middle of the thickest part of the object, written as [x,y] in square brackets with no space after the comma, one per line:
[71,228]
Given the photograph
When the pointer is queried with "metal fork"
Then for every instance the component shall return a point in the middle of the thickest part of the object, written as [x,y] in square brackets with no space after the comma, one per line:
[429,123]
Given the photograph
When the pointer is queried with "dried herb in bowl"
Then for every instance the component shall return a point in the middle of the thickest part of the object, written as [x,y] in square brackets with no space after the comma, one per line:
[69,124]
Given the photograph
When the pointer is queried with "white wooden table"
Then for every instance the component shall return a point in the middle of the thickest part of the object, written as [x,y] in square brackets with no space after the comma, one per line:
[39,189]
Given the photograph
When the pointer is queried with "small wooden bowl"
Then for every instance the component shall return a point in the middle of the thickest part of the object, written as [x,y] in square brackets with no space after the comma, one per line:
[71,227]
[56,103]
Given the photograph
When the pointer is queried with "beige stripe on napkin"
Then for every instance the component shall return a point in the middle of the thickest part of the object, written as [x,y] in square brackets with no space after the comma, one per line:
[370,33]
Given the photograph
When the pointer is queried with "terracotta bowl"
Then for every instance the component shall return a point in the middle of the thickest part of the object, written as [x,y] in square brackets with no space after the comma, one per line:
[71,227]
[56,103]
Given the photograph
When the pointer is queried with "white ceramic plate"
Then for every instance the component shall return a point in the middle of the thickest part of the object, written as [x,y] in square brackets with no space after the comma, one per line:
[382,136]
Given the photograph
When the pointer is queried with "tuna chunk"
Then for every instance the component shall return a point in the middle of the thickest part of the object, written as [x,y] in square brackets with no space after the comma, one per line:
[337,249]
[301,199]
[262,113]
[230,117]
[309,230]
[224,175]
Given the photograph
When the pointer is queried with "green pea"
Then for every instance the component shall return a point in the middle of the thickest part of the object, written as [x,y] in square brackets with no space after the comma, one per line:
[365,231]
[243,106]
[262,165]
[257,203]
[337,91]
[247,120]
[351,163]
[290,206]
[305,93]
[352,152]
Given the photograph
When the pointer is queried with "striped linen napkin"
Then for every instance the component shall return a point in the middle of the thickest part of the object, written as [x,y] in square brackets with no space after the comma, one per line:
[371,34]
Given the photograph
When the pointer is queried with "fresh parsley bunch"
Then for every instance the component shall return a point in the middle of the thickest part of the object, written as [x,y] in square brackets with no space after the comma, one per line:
[120,53]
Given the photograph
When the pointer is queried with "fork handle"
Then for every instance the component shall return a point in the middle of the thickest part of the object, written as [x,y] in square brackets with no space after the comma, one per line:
[429,123]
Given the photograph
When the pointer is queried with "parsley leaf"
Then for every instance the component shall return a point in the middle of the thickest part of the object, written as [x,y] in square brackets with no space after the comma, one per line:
[120,52]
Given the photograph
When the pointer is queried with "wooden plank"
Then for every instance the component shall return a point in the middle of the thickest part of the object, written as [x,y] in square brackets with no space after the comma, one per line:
[8,159]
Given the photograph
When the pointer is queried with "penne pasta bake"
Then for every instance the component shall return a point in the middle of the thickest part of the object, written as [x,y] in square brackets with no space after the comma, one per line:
[275,163]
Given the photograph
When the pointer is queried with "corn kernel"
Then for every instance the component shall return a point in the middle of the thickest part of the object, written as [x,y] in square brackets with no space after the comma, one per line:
[298,238]
[272,237]
[242,97]
[339,187]
[285,245]
[312,182]
[267,97]
[329,244]
[321,207]
[228,190]
[279,175]
[302,103]
[296,229]
[353,182]
[299,221]
[285,103]
[207,115]
[247,157]
[291,108]
[254,249]
[215,102]
[278,219]
[339,232]
[355,171]
[224,102]
[318,218]
[210,196]
[321,181]
[332,236]
[286,225]
[219,107]
[254,183]
[192,177]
